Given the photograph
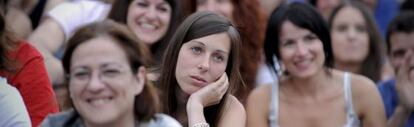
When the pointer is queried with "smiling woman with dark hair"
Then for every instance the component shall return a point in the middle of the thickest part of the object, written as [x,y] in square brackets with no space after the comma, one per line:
[152,21]
[309,91]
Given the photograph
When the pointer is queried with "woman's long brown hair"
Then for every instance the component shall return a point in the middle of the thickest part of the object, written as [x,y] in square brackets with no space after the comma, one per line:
[196,26]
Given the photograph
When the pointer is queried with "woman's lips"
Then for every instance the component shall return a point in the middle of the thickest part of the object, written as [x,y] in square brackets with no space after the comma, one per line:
[198,81]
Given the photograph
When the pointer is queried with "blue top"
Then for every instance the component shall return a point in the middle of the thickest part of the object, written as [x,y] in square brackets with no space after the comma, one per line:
[384,12]
[390,99]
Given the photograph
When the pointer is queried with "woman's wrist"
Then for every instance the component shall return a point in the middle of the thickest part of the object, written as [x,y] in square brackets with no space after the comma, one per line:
[195,111]
[194,103]
[201,125]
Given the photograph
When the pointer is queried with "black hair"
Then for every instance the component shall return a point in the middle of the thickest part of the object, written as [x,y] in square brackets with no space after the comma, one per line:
[402,23]
[302,15]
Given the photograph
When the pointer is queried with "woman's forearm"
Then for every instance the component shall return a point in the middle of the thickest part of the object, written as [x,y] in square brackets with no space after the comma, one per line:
[195,112]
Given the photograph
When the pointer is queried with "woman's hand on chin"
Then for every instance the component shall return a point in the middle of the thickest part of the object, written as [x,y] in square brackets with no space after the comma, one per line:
[211,94]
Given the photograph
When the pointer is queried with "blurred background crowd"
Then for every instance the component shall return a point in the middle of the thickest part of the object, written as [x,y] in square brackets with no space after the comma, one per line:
[41,47]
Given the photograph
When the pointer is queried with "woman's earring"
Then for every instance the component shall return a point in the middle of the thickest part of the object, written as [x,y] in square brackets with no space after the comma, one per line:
[282,69]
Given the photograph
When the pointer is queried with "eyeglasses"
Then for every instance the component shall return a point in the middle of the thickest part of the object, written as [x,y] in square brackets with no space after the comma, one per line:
[84,76]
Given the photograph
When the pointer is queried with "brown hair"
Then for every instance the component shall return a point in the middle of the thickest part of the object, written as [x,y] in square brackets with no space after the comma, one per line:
[7,42]
[251,22]
[196,26]
[372,65]
[137,54]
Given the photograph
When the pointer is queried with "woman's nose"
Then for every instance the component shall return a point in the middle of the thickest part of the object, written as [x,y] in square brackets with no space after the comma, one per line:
[301,49]
[95,84]
[204,64]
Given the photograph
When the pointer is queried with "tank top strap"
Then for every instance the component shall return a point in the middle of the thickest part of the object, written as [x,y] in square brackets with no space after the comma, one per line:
[352,118]
[274,105]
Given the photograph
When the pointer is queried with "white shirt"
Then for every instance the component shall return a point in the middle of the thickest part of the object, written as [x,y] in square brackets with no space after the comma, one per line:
[72,15]
[13,112]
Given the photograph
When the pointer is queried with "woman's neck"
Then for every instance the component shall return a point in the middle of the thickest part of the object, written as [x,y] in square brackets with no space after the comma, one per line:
[350,67]
[308,87]
[126,121]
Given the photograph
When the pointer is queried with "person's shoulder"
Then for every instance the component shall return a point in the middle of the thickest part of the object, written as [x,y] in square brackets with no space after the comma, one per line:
[234,113]
[361,84]
[365,95]
[262,90]
[235,105]
[163,120]
[25,46]
[13,111]
[58,119]
[92,5]
[260,95]
[25,52]
[81,3]
[78,9]
[7,90]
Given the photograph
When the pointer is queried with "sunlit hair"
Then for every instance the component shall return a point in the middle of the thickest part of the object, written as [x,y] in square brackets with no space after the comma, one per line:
[196,26]
[146,104]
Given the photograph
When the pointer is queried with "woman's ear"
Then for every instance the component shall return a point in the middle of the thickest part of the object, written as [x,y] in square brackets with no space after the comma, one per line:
[141,79]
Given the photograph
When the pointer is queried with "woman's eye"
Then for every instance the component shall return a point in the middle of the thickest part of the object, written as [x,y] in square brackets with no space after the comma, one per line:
[310,38]
[163,9]
[142,4]
[341,28]
[361,28]
[287,43]
[111,72]
[196,50]
[218,58]
[80,75]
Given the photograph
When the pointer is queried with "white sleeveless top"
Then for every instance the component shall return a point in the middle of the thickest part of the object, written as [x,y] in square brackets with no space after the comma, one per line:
[351,118]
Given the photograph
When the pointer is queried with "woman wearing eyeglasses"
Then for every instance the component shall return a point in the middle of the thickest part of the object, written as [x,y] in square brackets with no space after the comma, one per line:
[107,82]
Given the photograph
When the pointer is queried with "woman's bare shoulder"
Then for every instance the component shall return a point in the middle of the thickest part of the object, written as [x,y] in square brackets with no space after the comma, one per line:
[364,94]
[260,94]
[259,99]
[361,85]
[234,103]
[234,113]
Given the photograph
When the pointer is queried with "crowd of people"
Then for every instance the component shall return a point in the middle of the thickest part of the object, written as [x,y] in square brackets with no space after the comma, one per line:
[202,63]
